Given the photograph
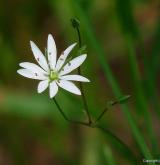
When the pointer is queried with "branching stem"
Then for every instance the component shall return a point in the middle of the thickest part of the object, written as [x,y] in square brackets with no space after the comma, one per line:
[95,125]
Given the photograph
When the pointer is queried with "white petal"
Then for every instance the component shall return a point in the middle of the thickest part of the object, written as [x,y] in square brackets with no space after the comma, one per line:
[32,67]
[75,78]
[29,74]
[42,86]
[25,73]
[53,89]
[69,86]
[63,56]
[73,64]
[52,51]
[40,58]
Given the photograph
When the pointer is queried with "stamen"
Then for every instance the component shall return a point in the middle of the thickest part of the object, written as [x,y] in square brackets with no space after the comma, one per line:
[53,75]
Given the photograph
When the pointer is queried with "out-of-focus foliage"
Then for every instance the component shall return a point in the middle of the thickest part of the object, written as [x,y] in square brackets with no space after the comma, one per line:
[122,40]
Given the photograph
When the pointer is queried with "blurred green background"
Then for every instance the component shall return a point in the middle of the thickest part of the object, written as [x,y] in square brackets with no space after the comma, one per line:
[123,47]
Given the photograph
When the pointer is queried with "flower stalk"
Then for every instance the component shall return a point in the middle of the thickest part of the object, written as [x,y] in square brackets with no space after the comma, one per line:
[75,24]
[98,126]
[65,116]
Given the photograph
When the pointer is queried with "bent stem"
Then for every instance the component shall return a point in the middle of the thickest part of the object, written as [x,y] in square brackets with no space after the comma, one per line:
[94,125]
[65,117]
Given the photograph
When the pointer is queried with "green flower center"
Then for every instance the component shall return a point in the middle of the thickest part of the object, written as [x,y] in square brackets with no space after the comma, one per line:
[53,75]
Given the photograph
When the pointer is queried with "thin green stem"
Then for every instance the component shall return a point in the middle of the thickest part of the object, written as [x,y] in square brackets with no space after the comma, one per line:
[79,37]
[84,99]
[80,84]
[94,125]
[64,115]
[101,115]
[105,110]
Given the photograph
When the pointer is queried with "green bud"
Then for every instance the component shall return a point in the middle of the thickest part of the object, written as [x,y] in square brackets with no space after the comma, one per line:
[75,22]
[120,100]
[123,99]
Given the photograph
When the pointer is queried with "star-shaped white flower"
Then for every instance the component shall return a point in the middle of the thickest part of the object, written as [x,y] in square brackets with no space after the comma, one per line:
[52,73]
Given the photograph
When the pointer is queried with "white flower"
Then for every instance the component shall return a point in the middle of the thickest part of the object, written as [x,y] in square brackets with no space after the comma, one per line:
[52,73]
